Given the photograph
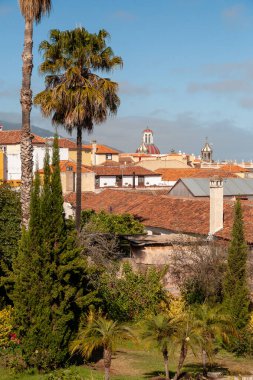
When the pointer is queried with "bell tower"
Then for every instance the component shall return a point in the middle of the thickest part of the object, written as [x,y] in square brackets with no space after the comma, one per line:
[207,152]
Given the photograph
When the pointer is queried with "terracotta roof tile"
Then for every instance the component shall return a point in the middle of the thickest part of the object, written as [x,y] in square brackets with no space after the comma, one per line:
[13,137]
[177,215]
[65,165]
[102,149]
[171,174]
[126,170]
[233,168]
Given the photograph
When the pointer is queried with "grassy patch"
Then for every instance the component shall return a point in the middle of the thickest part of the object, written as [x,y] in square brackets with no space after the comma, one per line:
[132,363]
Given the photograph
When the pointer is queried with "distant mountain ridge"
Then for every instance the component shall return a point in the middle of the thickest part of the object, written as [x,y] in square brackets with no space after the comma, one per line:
[7,126]
[37,130]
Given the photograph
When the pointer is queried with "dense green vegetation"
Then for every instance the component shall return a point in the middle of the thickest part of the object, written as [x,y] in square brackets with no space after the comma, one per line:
[236,292]
[123,224]
[51,278]
[10,219]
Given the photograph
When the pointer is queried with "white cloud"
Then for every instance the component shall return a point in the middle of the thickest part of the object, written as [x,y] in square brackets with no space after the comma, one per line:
[122,15]
[236,15]
[225,86]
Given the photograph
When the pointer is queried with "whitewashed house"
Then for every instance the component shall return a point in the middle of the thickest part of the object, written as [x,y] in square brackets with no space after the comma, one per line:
[10,145]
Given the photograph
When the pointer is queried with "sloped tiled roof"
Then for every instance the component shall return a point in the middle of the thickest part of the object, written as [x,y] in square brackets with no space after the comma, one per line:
[13,137]
[65,165]
[118,170]
[66,143]
[110,163]
[102,149]
[233,168]
[171,174]
[173,214]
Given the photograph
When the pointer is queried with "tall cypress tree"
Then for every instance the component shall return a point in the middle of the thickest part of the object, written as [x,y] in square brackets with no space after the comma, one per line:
[52,287]
[10,233]
[236,293]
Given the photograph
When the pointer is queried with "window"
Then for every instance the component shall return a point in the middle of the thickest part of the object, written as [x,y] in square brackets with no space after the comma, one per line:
[69,168]
[108,156]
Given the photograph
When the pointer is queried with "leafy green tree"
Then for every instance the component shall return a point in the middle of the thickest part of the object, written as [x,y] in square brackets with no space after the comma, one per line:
[75,95]
[104,333]
[31,10]
[236,292]
[159,331]
[122,224]
[133,295]
[10,233]
[51,278]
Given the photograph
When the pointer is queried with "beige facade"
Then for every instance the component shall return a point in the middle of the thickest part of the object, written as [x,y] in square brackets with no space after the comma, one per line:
[68,179]
[162,164]
[89,159]
[86,156]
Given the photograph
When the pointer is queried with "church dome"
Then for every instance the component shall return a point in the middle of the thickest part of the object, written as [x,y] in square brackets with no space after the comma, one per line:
[147,146]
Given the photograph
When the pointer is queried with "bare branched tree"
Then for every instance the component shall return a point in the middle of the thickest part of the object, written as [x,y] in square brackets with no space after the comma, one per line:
[200,265]
[103,249]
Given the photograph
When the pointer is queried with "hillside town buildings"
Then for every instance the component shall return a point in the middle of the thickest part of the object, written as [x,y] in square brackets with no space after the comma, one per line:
[180,198]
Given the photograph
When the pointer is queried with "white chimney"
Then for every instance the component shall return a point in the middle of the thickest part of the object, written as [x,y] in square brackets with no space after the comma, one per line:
[93,152]
[216,204]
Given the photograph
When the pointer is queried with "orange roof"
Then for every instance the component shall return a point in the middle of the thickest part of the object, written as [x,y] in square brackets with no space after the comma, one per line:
[101,149]
[161,211]
[13,137]
[66,165]
[66,143]
[233,168]
[119,170]
[171,174]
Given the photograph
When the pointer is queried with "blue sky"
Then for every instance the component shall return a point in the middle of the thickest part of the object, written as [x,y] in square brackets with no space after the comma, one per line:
[188,69]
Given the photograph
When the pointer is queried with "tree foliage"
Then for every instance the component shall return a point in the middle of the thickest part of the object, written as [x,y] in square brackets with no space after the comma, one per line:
[104,333]
[75,95]
[131,295]
[236,292]
[5,327]
[122,224]
[158,331]
[51,283]
[10,232]
[198,270]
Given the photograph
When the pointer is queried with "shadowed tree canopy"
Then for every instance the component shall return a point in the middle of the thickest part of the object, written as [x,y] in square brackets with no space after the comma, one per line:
[75,95]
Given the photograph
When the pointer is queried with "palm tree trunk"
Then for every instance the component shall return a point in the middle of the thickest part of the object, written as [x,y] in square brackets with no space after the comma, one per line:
[166,364]
[26,138]
[183,354]
[204,362]
[107,362]
[78,177]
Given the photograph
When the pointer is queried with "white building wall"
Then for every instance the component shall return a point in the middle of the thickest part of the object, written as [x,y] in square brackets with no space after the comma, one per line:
[152,180]
[107,181]
[13,166]
[128,181]
[13,159]
[39,155]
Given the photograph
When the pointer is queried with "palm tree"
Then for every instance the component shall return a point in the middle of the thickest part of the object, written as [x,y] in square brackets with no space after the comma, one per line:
[186,337]
[211,324]
[101,332]
[31,10]
[75,95]
[159,330]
